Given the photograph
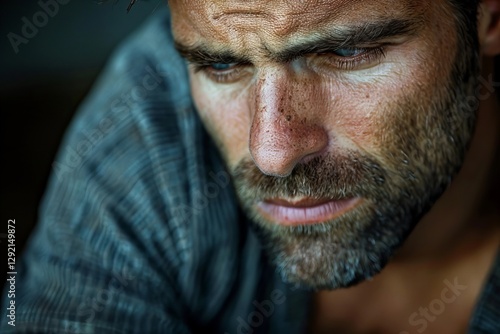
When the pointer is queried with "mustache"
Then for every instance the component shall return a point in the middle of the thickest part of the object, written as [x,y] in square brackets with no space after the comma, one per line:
[334,177]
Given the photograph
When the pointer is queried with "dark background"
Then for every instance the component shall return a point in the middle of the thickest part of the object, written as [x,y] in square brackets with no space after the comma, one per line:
[40,88]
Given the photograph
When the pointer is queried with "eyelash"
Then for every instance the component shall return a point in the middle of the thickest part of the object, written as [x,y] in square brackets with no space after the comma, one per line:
[219,76]
[368,55]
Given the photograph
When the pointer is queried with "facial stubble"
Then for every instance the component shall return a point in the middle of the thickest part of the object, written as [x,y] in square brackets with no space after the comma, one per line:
[425,148]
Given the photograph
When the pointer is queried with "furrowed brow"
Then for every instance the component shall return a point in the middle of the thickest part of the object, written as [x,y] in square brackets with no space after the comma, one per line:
[201,55]
[349,37]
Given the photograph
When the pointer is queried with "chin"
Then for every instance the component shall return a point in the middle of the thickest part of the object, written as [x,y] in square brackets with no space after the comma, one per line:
[341,252]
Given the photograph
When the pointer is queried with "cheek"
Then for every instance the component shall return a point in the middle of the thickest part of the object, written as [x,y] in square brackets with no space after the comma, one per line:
[354,123]
[355,116]
[394,110]
[374,119]
[225,114]
[358,113]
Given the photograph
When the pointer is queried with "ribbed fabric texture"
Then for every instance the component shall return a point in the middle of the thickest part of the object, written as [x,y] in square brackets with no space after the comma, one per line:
[140,231]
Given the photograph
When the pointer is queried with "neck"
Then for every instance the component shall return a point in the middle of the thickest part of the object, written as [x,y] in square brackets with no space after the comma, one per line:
[467,214]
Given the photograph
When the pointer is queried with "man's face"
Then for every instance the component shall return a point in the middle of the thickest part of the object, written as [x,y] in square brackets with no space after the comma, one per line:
[341,121]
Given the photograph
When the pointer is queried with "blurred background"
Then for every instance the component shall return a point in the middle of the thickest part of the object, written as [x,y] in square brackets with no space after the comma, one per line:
[45,73]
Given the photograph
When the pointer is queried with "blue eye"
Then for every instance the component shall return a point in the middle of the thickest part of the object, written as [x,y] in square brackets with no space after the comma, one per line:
[348,52]
[221,66]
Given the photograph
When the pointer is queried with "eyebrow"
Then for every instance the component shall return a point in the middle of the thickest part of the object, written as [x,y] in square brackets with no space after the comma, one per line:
[203,55]
[349,37]
[324,42]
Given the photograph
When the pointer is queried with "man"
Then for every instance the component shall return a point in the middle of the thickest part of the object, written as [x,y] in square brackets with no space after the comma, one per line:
[361,141]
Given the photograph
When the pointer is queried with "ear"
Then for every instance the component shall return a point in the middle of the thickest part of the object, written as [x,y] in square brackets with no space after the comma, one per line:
[489,27]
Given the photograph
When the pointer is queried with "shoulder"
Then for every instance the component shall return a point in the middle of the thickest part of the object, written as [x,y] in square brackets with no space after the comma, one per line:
[138,162]
[132,123]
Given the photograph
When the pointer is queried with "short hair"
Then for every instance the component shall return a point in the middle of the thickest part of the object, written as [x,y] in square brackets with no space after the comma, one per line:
[467,12]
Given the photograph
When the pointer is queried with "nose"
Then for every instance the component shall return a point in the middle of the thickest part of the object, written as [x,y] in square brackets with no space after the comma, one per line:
[283,131]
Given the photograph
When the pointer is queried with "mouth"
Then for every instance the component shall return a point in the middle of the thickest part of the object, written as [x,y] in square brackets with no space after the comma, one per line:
[304,211]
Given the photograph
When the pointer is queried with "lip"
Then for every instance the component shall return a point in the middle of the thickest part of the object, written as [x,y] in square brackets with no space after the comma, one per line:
[305,211]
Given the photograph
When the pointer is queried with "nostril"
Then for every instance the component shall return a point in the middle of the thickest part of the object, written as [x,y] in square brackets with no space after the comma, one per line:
[272,161]
[314,145]
[311,156]
[276,152]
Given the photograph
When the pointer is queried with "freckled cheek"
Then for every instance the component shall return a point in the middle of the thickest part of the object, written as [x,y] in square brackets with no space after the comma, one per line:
[358,130]
[355,117]
[226,117]
[366,116]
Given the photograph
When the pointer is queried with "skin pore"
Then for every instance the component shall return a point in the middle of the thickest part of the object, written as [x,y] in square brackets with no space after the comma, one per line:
[363,104]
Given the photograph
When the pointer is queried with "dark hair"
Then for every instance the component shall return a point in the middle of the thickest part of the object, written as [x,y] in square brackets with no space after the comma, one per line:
[467,14]
[131,3]
[466,18]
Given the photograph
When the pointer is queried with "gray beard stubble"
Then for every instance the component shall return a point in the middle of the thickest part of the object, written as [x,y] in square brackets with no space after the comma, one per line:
[419,164]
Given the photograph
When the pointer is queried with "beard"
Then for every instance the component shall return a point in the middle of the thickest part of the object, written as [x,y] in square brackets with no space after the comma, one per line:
[425,140]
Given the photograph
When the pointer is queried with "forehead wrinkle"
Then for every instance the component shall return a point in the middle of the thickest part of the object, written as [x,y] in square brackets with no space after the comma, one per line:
[412,12]
[281,15]
[227,10]
[283,27]
[240,14]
